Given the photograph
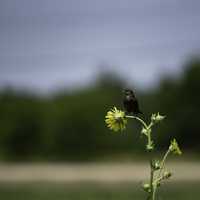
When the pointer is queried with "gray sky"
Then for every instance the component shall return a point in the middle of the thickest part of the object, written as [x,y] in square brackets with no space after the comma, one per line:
[45,44]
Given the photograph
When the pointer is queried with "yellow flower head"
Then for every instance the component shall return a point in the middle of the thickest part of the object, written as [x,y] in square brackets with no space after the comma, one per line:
[116,119]
[174,147]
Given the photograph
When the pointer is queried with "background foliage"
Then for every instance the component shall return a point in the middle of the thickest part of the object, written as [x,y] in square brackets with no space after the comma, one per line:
[69,125]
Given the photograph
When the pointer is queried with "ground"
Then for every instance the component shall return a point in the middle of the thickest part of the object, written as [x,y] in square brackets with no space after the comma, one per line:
[94,181]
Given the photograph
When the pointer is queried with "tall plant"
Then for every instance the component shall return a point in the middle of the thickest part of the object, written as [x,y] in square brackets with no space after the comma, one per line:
[117,120]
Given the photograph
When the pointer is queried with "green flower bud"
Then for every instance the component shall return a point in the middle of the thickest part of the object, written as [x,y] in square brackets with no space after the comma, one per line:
[167,175]
[156,165]
[146,187]
[149,147]
[174,147]
[158,184]
[144,131]
[155,118]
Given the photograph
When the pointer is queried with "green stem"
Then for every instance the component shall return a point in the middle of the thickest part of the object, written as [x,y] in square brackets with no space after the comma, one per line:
[159,177]
[163,163]
[149,135]
[149,140]
[147,127]
[149,144]
[151,181]
[140,120]
[150,125]
[154,193]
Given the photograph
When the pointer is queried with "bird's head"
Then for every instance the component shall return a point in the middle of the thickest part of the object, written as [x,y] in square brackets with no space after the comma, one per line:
[128,92]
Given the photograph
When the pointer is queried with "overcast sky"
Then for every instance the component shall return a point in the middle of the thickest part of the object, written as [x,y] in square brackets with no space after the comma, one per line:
[45,44]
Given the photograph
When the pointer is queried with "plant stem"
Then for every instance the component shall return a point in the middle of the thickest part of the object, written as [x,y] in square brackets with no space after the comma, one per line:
[163,163]
[154,193]
[137,118]
[147,127]
[149,145]
[151,181]
[158,178]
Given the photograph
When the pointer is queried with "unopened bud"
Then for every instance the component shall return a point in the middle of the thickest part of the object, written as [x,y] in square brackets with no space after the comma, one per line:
[144,131]
[156,164]
[155,118]
[174,147]
[167,174]
[146,187]
[158,184]
[150,147]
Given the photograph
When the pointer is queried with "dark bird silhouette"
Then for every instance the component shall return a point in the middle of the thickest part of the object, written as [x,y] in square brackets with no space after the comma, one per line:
[131,103]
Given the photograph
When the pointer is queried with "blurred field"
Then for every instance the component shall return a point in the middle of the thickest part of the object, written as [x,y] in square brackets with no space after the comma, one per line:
[181,191]
[93,172]
[97,181]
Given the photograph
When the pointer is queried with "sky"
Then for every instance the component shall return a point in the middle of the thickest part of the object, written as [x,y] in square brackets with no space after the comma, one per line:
[49,44]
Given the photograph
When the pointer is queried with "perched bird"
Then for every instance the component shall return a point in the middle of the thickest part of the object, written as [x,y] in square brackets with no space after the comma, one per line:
[130,102]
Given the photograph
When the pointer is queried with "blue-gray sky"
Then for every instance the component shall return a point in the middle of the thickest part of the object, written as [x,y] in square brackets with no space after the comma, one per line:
[45,44]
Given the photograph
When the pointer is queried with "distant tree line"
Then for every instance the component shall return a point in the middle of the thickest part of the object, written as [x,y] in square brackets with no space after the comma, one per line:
[70,125]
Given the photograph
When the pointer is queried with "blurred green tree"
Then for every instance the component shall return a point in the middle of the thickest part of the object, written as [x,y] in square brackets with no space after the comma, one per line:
[70,125]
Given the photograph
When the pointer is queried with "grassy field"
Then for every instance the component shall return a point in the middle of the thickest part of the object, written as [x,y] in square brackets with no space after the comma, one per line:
[94,181]
[89,191]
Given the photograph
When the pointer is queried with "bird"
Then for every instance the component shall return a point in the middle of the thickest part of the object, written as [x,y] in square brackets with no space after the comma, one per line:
[130,103]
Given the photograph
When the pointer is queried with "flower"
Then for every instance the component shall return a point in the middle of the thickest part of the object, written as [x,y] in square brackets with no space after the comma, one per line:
[157,118]
[116,119]
[174,147]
